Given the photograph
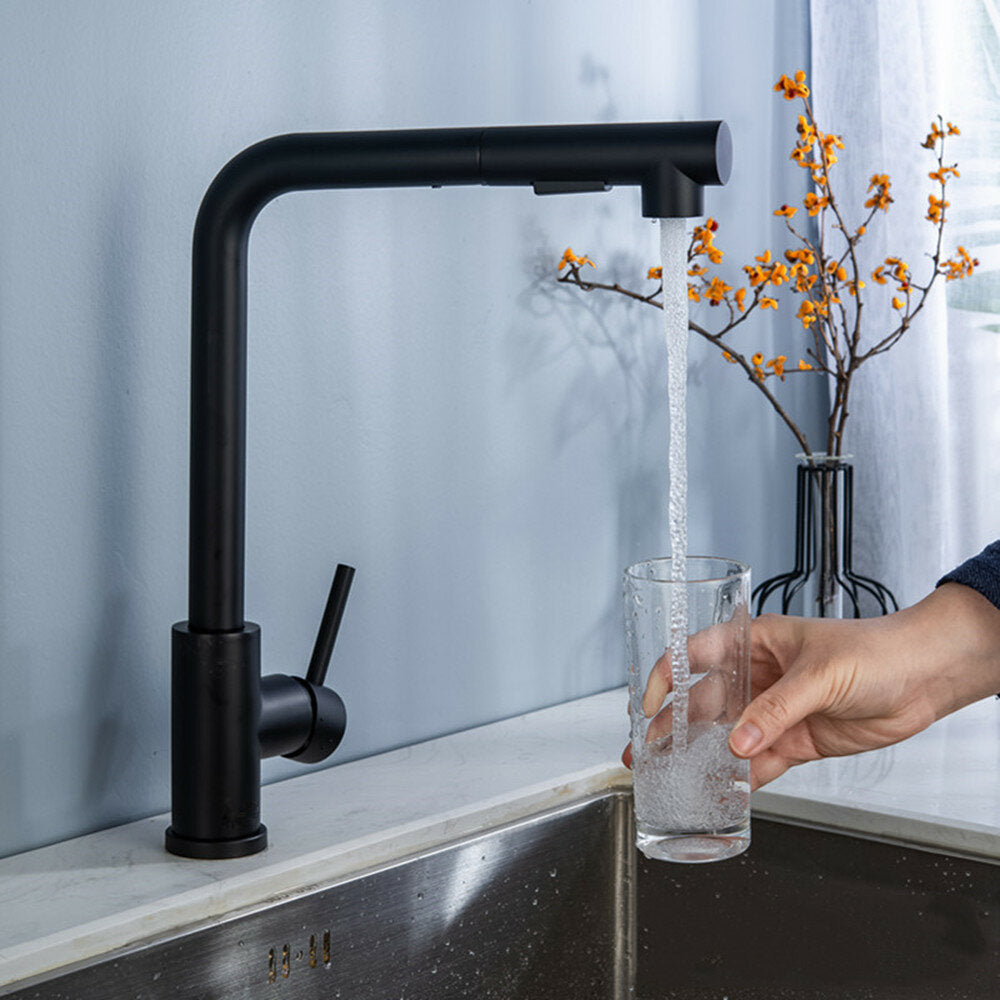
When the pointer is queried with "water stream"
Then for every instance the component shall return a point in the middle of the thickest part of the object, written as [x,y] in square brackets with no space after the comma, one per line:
[673,254]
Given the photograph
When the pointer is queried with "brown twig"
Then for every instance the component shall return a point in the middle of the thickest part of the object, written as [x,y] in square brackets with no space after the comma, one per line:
[837,336]
[573,277]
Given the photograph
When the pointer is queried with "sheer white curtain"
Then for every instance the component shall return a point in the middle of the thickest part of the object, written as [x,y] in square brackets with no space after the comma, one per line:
[925,418]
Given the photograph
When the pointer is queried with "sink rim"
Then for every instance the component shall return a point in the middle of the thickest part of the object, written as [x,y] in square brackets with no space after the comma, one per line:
[89,896]
[538,817]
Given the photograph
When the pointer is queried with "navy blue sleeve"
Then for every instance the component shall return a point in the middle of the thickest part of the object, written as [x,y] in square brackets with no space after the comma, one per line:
[981,573]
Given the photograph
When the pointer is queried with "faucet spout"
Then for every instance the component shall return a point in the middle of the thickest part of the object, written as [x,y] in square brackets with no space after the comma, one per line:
[222,719]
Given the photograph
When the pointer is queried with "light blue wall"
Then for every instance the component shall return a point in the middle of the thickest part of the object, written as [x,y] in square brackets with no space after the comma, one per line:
[489,450]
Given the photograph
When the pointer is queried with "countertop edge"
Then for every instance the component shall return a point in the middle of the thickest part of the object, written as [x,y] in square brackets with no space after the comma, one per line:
[492,791]
[896,826]
[340,862]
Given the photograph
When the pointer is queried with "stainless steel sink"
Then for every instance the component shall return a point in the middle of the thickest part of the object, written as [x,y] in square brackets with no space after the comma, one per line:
[560,906]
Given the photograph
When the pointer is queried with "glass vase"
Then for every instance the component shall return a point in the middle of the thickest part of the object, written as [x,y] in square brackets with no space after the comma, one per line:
[823,582]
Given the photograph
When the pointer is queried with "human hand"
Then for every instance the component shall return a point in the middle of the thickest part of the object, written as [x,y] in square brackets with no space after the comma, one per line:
[823,688]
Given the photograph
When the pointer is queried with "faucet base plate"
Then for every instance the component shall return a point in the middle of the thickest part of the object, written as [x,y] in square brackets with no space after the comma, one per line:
[239,847]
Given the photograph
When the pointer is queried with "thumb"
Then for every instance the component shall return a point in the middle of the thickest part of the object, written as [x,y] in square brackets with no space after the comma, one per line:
[774,711]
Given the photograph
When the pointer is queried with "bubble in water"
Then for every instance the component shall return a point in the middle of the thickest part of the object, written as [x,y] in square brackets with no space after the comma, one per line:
[693,790]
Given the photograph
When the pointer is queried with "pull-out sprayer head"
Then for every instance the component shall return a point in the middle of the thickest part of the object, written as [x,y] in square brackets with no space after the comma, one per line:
[670,161]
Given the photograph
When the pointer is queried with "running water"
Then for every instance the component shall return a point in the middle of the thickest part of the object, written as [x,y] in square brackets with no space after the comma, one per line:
[673,254]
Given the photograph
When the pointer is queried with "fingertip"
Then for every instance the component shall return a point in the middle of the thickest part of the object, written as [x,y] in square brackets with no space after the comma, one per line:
[745,739]
[766,767]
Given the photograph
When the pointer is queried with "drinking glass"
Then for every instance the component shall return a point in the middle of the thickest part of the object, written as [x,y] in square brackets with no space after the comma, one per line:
[692,795]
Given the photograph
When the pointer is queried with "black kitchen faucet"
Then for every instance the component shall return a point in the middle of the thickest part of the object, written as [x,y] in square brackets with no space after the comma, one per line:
[224,716]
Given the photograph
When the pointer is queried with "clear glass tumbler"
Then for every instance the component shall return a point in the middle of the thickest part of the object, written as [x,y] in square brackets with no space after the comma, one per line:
[692,795]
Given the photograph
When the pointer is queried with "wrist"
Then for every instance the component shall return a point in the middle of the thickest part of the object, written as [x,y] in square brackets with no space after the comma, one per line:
[955,642]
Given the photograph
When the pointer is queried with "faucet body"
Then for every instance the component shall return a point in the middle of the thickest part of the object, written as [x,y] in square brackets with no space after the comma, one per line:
[224,718]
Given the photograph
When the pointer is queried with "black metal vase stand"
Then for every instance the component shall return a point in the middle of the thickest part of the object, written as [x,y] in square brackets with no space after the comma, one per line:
[824,574]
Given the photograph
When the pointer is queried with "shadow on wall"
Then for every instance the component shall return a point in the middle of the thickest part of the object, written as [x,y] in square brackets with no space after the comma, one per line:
[596,75]
[120,662]
[618,381]
[12,765]
[619,360]
[13,705]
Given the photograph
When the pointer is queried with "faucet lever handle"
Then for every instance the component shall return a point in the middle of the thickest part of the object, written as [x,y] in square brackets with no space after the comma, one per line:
[330,625]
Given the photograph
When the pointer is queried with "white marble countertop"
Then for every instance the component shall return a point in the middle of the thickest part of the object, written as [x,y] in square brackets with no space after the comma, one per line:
[83,898]
[939,789]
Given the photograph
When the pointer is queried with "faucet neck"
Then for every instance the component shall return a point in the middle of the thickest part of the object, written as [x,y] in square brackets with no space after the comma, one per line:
[669,161]
[219,321]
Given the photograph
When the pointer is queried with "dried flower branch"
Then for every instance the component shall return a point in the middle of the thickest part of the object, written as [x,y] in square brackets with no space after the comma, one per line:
[829,282]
